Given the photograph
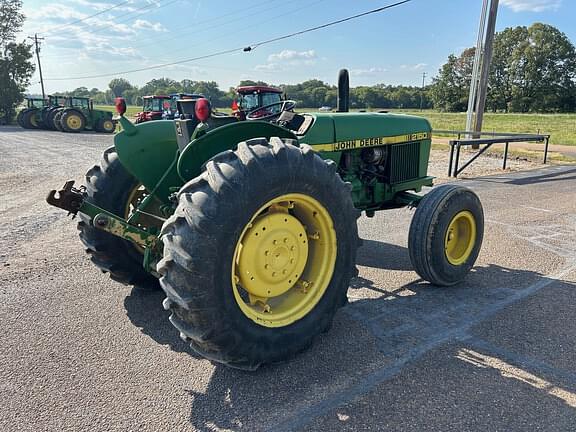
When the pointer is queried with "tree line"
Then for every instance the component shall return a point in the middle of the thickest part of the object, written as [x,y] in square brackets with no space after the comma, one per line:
[533,70]
[311,93]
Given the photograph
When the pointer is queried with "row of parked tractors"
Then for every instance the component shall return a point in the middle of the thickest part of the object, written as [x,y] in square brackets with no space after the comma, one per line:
[248,98]
[65,114]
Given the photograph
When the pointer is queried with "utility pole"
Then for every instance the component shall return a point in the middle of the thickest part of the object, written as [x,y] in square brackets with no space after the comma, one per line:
[37,45]
[476,67]
[486,60]
[422,92]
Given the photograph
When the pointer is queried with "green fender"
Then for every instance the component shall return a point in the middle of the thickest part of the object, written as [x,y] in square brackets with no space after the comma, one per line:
[149,152]
[221,139]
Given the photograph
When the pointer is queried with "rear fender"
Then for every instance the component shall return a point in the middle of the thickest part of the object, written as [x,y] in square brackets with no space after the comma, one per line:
[223,138]
[149,152]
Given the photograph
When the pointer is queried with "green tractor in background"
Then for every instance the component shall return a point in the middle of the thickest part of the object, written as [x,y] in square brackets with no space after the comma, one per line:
[251,226]
[31,104]
[79,114]
[35,117]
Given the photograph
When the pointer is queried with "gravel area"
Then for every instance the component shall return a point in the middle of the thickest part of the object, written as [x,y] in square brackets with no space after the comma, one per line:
[494,353]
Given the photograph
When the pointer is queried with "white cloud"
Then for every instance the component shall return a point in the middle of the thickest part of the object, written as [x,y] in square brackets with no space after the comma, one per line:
[268,67]
[141,24]
[291,55]
[287,60]
[414,67]
[368,71]
[532,5]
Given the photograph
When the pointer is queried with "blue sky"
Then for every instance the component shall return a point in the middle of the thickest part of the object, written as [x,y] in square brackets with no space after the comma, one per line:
[392,47]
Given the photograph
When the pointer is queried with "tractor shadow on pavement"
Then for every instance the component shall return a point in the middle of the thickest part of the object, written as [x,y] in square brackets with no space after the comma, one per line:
[386,256]
[145,311]
[369,337]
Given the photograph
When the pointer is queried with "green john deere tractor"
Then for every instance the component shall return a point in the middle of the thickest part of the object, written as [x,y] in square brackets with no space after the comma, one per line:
[34,117]
[79,114]
[250,226]
[31,104]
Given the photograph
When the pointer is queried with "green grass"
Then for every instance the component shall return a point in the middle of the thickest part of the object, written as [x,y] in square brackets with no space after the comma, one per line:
[131,110]
[561,127]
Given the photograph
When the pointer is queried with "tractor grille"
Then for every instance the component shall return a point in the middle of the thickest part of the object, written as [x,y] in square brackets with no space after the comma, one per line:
[404,162]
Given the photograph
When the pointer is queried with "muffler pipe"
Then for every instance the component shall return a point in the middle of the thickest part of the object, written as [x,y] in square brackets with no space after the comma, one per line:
[343,102]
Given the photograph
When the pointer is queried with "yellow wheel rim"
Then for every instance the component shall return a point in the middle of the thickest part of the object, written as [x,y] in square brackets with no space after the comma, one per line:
[108,126]
[460,238]
[73,121]
[33,121]
[284,260]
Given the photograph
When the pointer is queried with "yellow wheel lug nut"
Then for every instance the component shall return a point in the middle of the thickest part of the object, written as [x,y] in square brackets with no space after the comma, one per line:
[284,271]
[273,274]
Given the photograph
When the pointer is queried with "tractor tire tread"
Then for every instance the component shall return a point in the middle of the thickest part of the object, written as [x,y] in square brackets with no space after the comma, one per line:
[187,278]
[425,221]
[109,253]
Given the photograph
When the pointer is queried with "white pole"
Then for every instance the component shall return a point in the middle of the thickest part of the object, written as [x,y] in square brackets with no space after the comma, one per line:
[476,67]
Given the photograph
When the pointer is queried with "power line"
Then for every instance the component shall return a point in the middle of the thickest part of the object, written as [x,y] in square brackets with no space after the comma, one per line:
[153,6]
[239,49]
[197,25]
[340,21]
[85,18]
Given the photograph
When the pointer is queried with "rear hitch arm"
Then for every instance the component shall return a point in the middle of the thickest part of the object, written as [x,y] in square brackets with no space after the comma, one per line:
[68,198]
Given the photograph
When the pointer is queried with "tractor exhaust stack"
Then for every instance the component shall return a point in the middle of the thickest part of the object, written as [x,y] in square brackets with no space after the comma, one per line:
[343,101]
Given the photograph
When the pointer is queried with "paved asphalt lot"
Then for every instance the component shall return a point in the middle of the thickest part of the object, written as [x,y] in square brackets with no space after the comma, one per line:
[496,353]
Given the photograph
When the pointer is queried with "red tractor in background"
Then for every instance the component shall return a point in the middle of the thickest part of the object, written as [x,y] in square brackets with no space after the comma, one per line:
[257,100]
[153,108]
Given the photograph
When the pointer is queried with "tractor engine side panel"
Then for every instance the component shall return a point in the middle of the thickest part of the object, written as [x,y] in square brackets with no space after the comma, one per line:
[379,154]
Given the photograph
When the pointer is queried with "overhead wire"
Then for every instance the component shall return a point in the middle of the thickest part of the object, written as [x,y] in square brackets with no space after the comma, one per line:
[239,49]
[206,23]
[52,30]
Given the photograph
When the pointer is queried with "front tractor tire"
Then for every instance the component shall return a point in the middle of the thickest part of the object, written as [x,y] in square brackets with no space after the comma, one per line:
[259,253]
[72,121]
[106,126]
[446,234]
[111,187]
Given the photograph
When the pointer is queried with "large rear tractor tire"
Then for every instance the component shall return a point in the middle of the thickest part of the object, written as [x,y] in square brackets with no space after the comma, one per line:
[73,121]
[58,121]
[20,115]
[259,253]
[29,120]
[51,121]
[114,189]
[446,234]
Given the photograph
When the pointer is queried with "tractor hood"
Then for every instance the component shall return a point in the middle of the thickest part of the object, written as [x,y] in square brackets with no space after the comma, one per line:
[347,131]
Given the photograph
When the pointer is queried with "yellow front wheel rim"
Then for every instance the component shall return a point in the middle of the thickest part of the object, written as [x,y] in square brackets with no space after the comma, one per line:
[284,260]
[73,122]
[108,126]
[460,238]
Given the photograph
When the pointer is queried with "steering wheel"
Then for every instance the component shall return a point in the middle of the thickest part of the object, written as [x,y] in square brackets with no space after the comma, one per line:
[265,113]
